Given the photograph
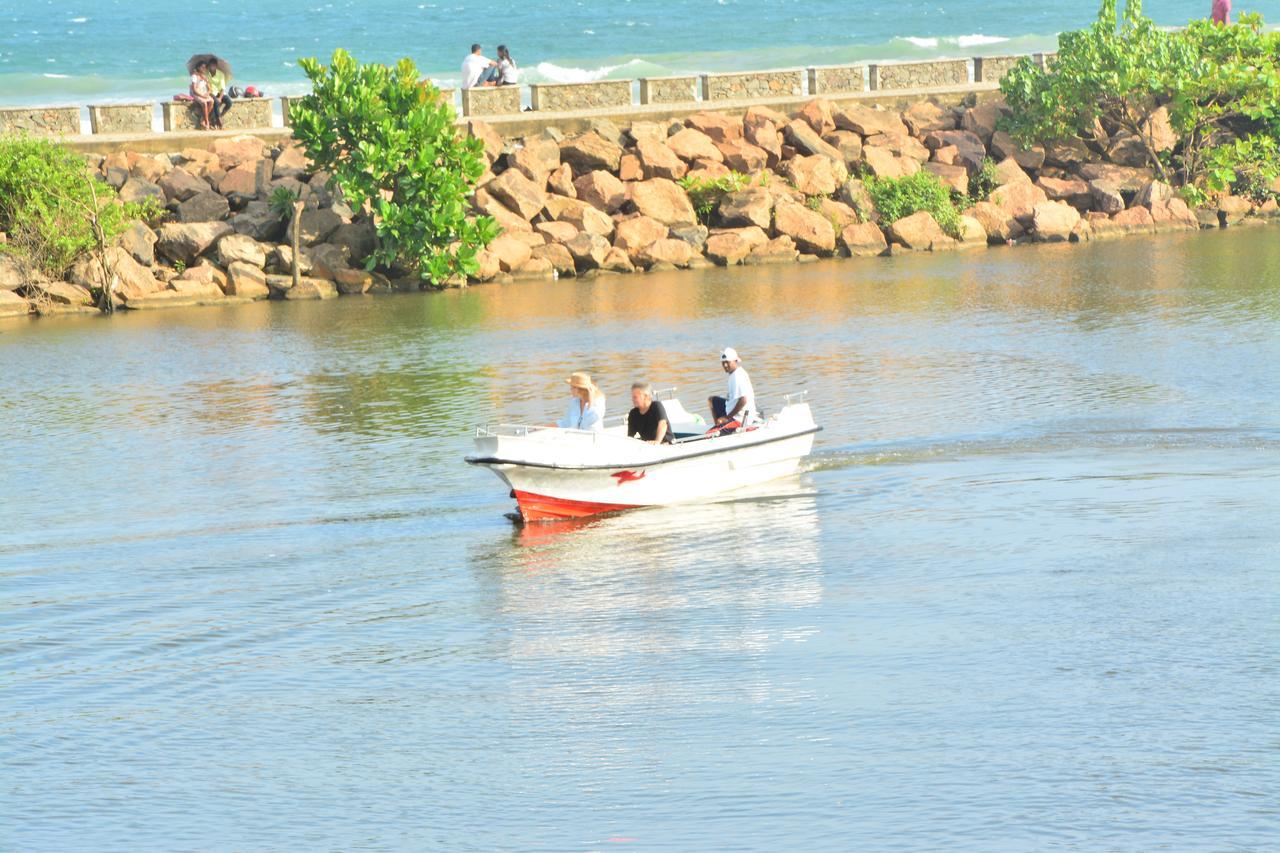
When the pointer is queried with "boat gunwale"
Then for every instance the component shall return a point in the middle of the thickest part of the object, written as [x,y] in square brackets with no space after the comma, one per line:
[497,460]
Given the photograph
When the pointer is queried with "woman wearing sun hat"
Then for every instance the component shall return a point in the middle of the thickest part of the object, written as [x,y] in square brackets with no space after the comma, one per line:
[586,406]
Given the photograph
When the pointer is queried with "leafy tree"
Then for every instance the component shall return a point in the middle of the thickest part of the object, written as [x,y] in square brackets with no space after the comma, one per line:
[52,207]
[393,148]
[1217,84]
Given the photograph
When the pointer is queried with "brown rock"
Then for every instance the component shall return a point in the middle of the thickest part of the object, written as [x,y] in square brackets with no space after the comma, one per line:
[720,128]
[13,305]
[1106,197]
[1066,154]
[56,292]
[588,251]
[636,233]
[669,250]
[1127,151]
[854,193]
[981,120]
[883,164]
[863,239]
[1125,179]
[1003,147]
[970,150]
[811,231]
[955,177]
[815,174]
[631,169]
[138,190]
[198,161]
[558,256]
[707,170]
[1232,209]
[292,162]
[580,215]
[237,247]
[1173,214]
[138,240]
[310,288]
[557,232]
[691,144]
[727,249]
[1159,131]
[1018,200]
[900,145]
[316,226]
[764,134]
[972,234]
[510,252]
[1008,171]
[650,131]
[617,261]
[868,122]
[1135,219]
[808,142]
[531,239]
[560,181]
[1053,221]
[518,194]
[837,213]
[780,250]
[757,116]
[508,219]
[247,280]
[239,150]
[948,155]
[919,232]
[590,151]
[130,277]
[818,114]
[752,235]
[205,206]
[1153,193]
[492,140]
[659,161]
[848,143]
[662,200]
[741,156]
[151,169]
[924,117]
[749,206]
[536,159]
[185,241]
[198,289]
[995,221]
[180,185]
[1073,191]
[326,260]
[602,190]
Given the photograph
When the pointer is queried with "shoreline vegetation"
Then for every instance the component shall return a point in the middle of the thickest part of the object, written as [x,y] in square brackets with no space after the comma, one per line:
[1132,129]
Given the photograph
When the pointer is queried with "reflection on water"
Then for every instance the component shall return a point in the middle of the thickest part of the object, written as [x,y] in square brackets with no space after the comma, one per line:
[1022,595]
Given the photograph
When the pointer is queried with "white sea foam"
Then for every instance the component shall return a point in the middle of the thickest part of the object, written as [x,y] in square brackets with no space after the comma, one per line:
[552,73]
[978,39]
[57,76]
[919,41]
[79,20]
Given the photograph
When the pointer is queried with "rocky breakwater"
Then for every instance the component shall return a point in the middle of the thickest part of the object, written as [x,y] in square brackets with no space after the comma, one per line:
[755,188]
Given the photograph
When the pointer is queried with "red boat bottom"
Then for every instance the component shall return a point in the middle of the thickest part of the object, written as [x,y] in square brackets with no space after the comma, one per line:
[544,508]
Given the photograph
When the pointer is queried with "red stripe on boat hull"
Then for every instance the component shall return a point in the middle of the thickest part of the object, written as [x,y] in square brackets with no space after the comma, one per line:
[545,508]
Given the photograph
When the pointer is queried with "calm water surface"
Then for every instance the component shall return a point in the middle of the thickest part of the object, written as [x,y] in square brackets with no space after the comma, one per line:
[1026,596]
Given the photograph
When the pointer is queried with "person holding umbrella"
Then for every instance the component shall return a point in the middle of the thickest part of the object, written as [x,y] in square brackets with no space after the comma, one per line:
[216,72]
[200,90]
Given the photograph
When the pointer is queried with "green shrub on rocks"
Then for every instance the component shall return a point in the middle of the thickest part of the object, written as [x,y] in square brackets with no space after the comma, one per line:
[895,198]
[705,193]
[1174,96]
[48,200]
[982,182]
[390,143]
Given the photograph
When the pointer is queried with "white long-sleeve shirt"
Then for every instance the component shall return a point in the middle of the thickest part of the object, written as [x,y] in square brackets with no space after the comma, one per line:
[582,416]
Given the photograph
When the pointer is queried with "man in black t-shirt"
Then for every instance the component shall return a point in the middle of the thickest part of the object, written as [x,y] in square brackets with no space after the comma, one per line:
[648,420]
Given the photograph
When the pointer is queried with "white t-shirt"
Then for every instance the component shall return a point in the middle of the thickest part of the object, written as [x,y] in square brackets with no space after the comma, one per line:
[740,386]
[578,416]
[510,73]
[472,67]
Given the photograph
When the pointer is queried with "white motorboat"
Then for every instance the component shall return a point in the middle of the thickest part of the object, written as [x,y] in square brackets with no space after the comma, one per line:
[559,473]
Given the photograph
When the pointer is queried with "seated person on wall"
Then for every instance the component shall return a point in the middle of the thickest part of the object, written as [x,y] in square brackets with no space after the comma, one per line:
[739,404]
[586,405]
[648,420]
[508,71]
[478,70]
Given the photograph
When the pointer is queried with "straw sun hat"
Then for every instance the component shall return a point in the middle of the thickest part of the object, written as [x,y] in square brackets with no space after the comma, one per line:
[582,380]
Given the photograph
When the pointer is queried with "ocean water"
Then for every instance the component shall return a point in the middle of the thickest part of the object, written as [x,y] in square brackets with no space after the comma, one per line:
[1023,598]
[75,51]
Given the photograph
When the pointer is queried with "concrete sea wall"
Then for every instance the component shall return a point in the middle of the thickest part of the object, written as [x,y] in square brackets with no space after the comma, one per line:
[689,90]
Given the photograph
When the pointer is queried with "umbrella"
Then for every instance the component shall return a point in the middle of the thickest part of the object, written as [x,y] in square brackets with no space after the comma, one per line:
[208,58]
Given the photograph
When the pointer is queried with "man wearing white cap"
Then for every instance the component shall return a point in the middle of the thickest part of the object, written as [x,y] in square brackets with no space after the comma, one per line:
[739,403]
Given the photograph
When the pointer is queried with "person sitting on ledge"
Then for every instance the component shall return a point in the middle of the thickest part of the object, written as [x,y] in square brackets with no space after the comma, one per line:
[478,70]
[218,80]
[648,420]
[508,71]
[202,94]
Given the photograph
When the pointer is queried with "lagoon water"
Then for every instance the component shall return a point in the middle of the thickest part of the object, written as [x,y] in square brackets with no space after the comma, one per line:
[82,51]
[1025,596]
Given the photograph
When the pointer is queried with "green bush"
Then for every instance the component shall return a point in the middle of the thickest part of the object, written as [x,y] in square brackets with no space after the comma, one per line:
[705,193]
[392,147]
[1246,167]
[983,182]
[1216,82]
[47,201]
[895,198]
